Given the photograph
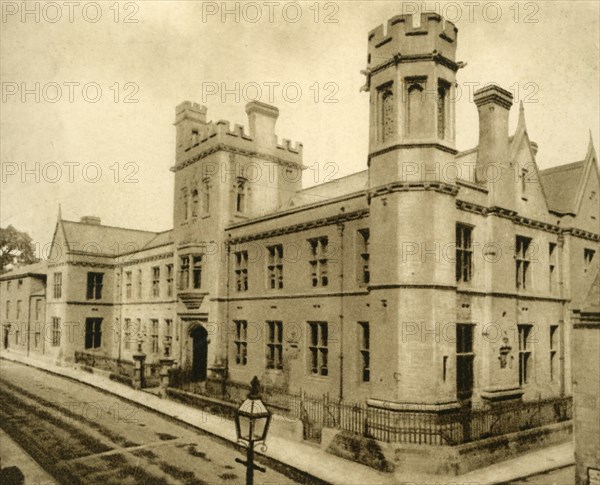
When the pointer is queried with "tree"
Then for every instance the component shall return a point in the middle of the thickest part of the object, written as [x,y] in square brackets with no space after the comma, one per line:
[16,247]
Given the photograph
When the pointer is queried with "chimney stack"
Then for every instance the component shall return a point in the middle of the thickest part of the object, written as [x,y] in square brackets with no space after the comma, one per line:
[494,166]
[261,119]
[93,220]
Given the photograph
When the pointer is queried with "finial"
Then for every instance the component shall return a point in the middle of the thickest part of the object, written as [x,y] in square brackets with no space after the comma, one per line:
[590,150]
[521,124]
[254,388]
[59,212]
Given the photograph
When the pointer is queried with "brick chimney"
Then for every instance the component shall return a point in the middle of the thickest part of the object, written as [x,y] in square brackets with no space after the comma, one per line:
[92,220]
[494,165]
[261,120]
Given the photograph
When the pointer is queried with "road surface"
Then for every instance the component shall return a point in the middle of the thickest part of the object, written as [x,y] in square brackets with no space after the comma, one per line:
[81,435]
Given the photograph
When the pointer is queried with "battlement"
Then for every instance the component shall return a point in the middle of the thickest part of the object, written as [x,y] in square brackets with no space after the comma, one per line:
[402,38]
[260,137]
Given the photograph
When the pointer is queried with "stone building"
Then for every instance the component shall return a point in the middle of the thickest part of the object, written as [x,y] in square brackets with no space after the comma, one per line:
[433,278]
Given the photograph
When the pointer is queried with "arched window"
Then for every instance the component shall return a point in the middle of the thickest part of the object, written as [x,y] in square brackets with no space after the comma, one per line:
[184,203]
[206,195]
[194,203]
[241,192]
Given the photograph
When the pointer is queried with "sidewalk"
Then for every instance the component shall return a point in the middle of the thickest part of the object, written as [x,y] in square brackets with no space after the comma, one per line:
[11,454]
[308,458]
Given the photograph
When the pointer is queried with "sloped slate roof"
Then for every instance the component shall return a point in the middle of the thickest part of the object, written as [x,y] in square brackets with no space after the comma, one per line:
[561,185]
[38,268]
[108,240]
[330,190]
[161,239]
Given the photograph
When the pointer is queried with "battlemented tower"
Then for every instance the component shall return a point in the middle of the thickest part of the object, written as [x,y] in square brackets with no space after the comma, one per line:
[411,71]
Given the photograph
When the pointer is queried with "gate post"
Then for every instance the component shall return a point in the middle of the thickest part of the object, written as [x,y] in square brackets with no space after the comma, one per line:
[138,373]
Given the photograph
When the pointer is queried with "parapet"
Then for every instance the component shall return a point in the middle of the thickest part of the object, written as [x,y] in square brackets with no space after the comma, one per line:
[189,110]
[260,139]
[435,35]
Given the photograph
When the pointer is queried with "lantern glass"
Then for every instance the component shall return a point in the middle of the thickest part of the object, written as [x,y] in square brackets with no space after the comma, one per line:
[252,420]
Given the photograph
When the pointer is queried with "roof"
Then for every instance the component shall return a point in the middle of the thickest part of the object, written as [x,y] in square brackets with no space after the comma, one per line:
[330,190]
[161,239]
[109,240]
[561,186]
[34,269]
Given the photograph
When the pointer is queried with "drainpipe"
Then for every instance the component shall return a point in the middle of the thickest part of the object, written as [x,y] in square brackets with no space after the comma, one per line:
[227,293]
[341,227]
[29,312]
[562,323]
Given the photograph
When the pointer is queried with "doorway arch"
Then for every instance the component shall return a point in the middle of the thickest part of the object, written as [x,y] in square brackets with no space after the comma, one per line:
[199,353]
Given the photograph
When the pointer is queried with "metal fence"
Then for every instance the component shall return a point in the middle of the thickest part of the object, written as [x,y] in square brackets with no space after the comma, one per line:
[393,425]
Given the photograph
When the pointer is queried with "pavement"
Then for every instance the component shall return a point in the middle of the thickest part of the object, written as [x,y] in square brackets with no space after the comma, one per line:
[309,458]
[11,454]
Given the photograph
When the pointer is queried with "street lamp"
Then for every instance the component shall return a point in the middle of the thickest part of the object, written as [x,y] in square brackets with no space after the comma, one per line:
[252,421]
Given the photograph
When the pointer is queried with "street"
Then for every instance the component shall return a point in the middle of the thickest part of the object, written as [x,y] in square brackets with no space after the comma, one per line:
[561,476]
[80,435]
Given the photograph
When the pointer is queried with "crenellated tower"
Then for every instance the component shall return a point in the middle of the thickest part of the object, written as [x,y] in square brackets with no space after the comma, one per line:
[411,72]
[411,80]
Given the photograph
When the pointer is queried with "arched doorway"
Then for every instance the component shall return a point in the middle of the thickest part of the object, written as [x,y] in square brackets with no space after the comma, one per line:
[199,353]
[5,333]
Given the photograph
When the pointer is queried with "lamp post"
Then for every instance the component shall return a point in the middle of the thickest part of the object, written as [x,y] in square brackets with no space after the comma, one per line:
[252,421]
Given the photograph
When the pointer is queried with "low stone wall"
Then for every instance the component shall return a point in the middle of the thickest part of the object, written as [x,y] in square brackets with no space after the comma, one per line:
[447,460]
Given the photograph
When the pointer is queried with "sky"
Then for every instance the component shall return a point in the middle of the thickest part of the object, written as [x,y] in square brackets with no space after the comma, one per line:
[89,91]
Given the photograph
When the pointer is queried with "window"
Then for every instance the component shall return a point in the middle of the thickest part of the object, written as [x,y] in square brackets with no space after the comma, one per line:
[184,204]
[36,336]
[18,309]
[524,353]
[206,195]
[19,284]
[552,267]
[8,286]
[464,253]
[7,309]
[169,280]
[127,334]
[93,333]
[168,331]
[588,256]
[442,95]
[554,337]
[274,345]
[318,348]
[38,309]
[94,286]
[194,203]
[139,284]
[318,261]
[241,342]
[241,271]
[155,281]
[464,360]
[275,266]
[55,332]
[365,355]
[128,285]
[184,272]
[386,128]
[241,195]
[197,271]
[524,174]
[57,285]
[363,257]
[522,256]
[154,335]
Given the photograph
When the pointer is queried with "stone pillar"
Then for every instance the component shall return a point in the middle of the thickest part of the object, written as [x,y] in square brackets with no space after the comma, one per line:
[138,376]
[165,365]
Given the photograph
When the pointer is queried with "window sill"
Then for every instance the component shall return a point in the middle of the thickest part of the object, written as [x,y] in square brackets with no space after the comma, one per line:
[205,216]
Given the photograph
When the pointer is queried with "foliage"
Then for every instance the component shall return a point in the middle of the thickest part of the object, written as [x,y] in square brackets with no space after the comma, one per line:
[16,248]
